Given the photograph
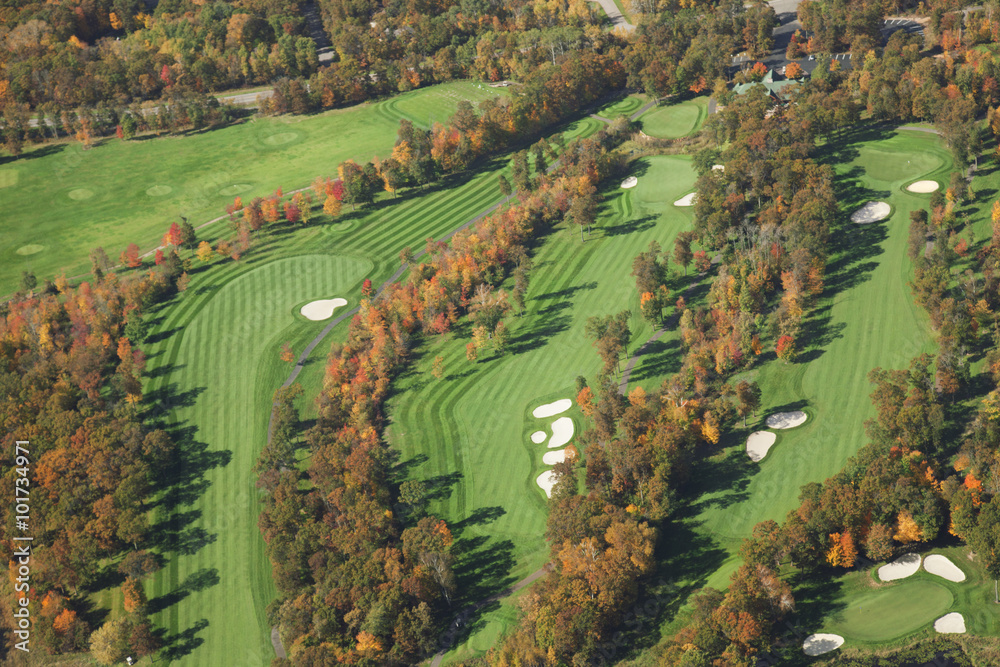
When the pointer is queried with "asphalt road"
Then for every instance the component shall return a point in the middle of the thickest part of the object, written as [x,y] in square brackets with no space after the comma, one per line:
[617,20]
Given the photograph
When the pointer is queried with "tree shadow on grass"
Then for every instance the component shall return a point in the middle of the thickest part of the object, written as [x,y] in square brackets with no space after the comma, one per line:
[482,569]
[630,226]
[685,559]
[196,581]
[479,517]
[659,358]
[440,487]
[182,644]
[817,597]
[549,325]
[722,480]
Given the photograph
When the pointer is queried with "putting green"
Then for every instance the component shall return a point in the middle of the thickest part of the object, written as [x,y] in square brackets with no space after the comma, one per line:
[891,166]
[80,194]
[235,189]
[159,190]
[891,612]
[670,122]
[30,249]
[668,178]
[280,139]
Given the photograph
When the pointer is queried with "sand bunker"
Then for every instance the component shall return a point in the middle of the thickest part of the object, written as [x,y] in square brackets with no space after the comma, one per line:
[630,182]
[538,437]
[159,190]
[758,443]
[686,200]
[80,194]
[901,568]
[781,420]
[552,409]
[821,643]
[322,309]
[950,624]
[923,187]
[871,212]
[562,432]
[546,480]
[30,249]
[943,567]
[552,458]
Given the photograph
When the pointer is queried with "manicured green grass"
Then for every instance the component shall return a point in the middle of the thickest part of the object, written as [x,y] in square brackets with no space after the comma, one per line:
[214,360]
[865,318]
[467,433]
[231,327]
[675,120]
[892,611]
[871,614]
[427,106]
[622,107]
[70,200]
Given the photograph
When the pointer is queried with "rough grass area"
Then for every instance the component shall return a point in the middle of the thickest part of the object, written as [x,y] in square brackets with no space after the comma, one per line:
[123,192]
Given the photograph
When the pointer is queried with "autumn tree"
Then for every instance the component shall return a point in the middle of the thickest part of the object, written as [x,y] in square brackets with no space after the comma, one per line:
[205,253]
[130,256]
[748,395]
[437,369]
[286,353]
[785,348]
[682,250]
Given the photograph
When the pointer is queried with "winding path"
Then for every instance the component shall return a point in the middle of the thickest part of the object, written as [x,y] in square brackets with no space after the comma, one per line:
[627,373]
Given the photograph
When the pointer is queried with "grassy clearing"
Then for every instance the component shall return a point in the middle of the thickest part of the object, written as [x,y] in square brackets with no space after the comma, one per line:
[467,434]
[675,120]
[123,192]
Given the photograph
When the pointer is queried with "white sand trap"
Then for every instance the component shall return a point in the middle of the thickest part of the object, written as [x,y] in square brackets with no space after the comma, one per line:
[546,480]
[686,200]
[552,458]
[821,643]
[901,568]
[718,167]
[562,432]
[781,420]
[322,309]
[950,624]
[871,212]
[552,409]
[758,443]
[943,567]
[923,187]
[538,437]
[630,182]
